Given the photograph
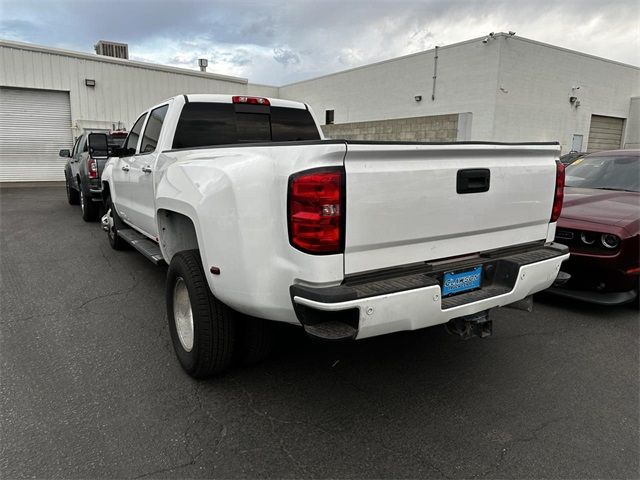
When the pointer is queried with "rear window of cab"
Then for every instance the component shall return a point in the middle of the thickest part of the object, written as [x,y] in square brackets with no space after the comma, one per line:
[203,124]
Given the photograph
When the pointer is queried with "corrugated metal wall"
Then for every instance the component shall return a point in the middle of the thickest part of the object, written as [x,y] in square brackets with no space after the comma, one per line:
[34,126]
[122,89]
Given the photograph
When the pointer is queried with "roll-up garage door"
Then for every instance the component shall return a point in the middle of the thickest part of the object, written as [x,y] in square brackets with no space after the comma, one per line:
[605,133]
[34,126]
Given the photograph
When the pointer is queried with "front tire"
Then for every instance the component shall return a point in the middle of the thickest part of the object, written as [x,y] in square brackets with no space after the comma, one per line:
[202,328]
[115,224]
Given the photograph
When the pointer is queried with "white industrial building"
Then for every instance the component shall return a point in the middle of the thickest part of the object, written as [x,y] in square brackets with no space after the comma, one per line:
[48,96]
[500,88]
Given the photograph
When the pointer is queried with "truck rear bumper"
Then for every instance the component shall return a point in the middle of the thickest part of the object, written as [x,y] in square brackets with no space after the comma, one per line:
[410,299]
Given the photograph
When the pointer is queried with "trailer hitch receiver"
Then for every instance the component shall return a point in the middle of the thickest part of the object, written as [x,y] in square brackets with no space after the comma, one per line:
[474,325]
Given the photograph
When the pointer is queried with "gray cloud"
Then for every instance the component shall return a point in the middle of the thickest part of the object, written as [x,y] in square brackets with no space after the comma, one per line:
[241,57]
[285,56]
[14,28]
[281,41]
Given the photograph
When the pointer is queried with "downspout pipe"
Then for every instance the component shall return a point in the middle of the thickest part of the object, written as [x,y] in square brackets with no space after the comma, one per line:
[435,74]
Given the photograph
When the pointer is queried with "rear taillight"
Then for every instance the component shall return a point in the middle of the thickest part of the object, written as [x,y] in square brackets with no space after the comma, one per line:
[250,100]
[92,167]
[559,195]
[316,211]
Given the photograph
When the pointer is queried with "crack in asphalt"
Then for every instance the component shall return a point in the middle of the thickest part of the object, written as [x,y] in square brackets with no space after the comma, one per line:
[428,462]
[163,335]
[281,444]
[126,291]
[30,317]
[99,297]
[533,436]
[104,255]
[164,470]
[193,444]
[561,331]
[342,437]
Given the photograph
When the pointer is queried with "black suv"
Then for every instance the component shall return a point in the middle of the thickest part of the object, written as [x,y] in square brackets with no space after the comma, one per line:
[83,170]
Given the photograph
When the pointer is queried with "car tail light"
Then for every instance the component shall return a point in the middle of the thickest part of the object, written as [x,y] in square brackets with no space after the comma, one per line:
[250,100]
[316,211]
[559,195]
[92,167]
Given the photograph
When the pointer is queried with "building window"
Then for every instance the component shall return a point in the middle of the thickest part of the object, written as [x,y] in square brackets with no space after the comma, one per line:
[328,117]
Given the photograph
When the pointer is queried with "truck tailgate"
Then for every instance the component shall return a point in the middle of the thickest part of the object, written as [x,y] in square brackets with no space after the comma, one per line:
[403,205]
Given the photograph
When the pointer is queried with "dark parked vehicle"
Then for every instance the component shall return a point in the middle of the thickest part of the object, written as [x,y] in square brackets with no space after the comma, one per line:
[600,223]
[83,170]
[572,156]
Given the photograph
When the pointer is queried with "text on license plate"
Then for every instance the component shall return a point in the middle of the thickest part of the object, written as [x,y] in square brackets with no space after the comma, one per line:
[457,282]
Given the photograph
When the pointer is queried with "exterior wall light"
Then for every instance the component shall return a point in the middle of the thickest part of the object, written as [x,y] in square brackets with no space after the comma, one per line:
[89,82]
[418,98]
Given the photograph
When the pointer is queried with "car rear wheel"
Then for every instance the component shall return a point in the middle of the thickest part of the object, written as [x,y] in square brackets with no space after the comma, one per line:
[87,206]
[256,340]
[72,193]
[202,328]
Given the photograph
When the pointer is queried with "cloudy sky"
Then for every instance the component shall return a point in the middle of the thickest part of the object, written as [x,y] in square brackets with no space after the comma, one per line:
[281,41]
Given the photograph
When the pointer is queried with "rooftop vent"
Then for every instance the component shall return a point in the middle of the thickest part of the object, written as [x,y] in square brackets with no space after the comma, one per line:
[112,49]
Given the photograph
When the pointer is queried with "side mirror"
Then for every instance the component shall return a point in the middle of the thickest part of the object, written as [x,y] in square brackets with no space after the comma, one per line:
[98,145]
[66,153]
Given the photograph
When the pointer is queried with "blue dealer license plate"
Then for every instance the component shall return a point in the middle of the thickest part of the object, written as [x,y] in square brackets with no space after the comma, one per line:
[458,282]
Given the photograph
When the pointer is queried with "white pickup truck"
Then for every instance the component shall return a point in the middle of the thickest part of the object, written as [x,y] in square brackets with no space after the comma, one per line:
[261,218]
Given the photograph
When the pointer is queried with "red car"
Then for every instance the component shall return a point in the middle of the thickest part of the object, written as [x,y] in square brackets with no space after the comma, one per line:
[600,224]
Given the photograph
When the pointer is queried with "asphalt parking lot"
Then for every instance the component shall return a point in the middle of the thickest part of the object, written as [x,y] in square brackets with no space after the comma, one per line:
[90,386]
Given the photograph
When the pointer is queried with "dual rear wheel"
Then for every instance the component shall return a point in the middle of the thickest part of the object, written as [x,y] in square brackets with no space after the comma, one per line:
[207,335]
[88,207]
[73,197]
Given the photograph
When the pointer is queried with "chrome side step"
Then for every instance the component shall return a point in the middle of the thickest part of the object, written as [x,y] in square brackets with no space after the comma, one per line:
[146,247]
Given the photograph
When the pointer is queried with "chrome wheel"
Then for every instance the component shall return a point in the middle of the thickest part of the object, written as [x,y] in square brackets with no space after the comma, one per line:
[182,314]
[82,207]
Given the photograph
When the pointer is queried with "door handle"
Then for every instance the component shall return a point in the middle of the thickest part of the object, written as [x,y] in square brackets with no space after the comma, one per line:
[125,167]
[146,169]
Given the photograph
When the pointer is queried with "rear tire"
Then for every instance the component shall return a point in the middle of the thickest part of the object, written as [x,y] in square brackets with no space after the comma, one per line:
[88,207]
[73,196]
[256,340]
[116,242]
[202,328]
